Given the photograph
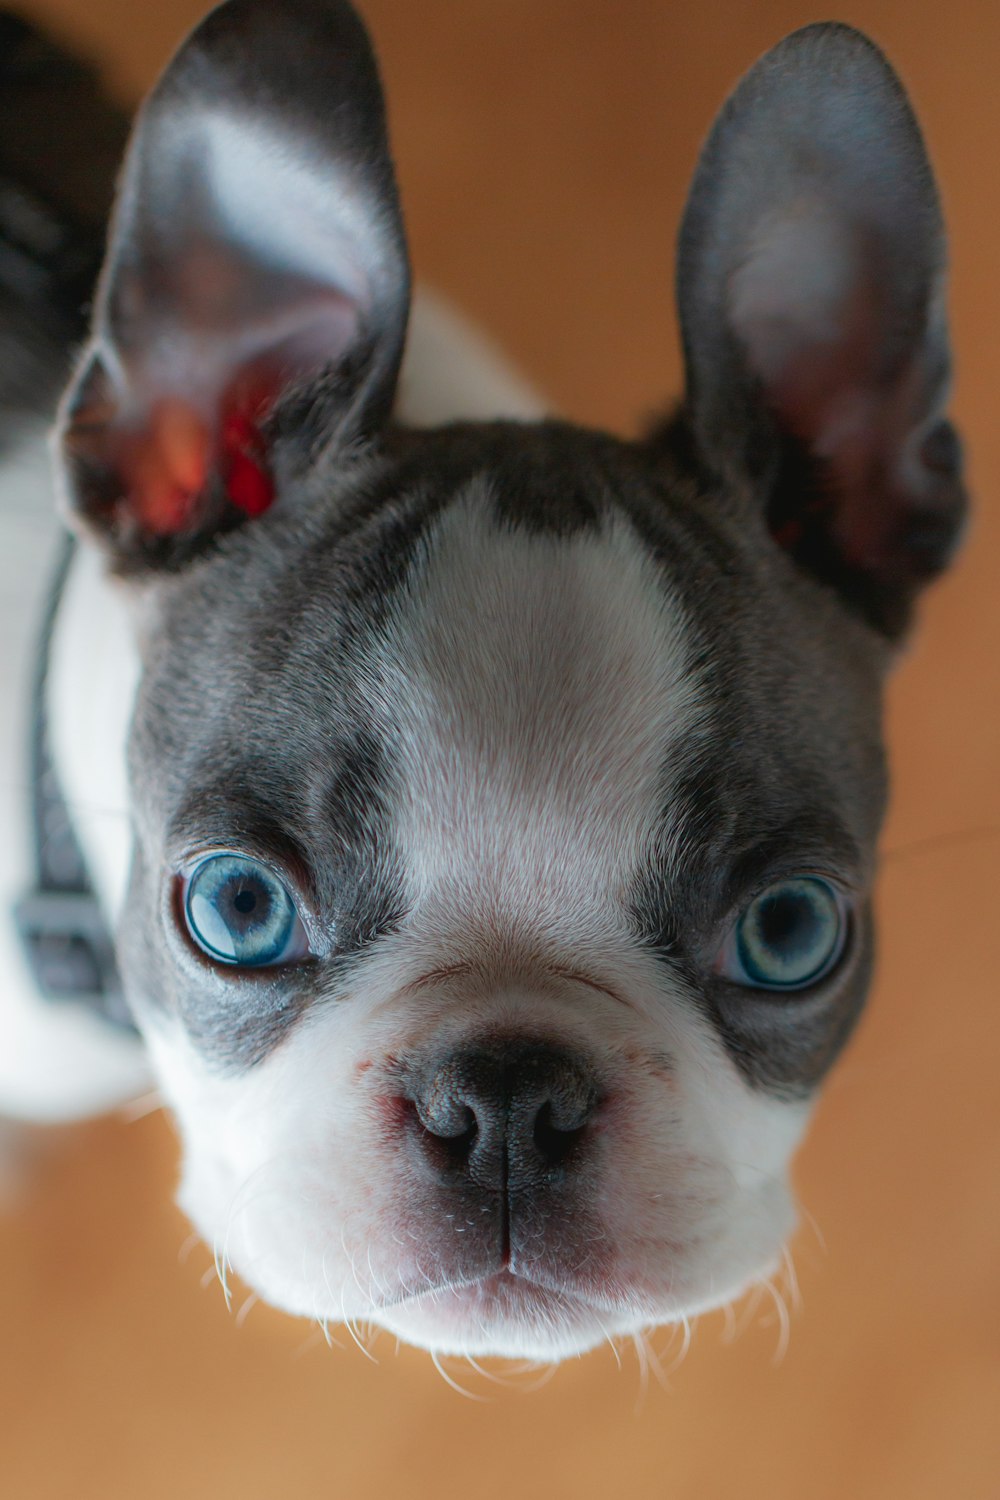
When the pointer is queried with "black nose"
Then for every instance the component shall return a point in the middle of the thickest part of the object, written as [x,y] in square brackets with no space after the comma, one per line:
[508,1116]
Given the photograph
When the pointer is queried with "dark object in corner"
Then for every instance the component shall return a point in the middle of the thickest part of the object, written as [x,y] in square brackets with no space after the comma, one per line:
[54,205]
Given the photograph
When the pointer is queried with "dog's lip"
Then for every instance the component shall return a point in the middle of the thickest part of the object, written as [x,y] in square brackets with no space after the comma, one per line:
[497,1289]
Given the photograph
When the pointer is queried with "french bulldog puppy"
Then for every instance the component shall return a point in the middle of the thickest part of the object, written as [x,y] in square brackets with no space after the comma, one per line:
[492,881]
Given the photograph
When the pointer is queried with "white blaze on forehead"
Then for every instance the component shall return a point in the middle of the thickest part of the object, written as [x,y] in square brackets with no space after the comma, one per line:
[536,684]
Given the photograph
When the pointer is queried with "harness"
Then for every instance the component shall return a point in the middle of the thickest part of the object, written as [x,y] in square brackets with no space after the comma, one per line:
[54,202]
[60,922]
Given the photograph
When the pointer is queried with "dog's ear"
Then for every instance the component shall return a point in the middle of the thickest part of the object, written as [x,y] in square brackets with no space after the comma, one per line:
[256,282]
[811,294]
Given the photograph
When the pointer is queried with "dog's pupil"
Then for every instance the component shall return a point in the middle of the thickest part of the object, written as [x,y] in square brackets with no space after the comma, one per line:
[244,902]
[786,921]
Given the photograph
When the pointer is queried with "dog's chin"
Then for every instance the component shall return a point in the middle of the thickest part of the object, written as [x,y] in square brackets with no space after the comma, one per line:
[507,1317]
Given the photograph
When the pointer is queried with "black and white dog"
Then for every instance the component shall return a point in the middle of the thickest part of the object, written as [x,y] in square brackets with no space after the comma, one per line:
[486,807]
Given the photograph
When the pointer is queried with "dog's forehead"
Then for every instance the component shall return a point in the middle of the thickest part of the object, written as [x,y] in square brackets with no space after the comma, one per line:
[536,611]
[532,685]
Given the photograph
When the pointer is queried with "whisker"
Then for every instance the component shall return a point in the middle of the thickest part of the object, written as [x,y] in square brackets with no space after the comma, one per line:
[791,1279]
[309,1342]
[729,1323]
[365,1291]
[352,1331]
[639,1344]
[246,1308]
[546,1376]
[184,1253]
[140,1108]
[686,1328]
[449,1381]
[507,1382]
[750,1307]
[784,1322]
[324,1321]
[220,1267]
[813,1223]
[615,1351]
[655,1367]
[348,1324]
[383,1293]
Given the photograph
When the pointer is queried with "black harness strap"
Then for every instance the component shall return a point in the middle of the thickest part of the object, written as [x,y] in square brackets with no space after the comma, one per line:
[60,922]
[61,140]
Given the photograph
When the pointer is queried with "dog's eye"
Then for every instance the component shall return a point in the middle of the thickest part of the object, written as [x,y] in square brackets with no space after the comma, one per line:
[239,912]
[790,936]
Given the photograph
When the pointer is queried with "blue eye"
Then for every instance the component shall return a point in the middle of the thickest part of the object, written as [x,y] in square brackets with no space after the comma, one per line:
[790,936]
[239,912]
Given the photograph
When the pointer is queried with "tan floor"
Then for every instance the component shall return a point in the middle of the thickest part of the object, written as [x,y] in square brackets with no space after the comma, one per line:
[544,147]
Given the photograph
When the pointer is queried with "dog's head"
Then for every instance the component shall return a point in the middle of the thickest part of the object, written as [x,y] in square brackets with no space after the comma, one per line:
[505,796]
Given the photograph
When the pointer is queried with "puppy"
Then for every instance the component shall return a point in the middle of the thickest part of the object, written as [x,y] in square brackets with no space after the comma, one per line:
[499,798]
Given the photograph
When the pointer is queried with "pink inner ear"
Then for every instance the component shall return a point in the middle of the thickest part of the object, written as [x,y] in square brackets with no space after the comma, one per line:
[164,466]
[167,461]
[243,457]
[167,466]
[155,444]
[812,315]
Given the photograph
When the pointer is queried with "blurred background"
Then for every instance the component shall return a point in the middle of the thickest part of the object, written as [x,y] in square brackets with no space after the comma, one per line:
[544,148]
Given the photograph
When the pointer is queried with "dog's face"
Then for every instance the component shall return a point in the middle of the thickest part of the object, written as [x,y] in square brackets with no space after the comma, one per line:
[505,796]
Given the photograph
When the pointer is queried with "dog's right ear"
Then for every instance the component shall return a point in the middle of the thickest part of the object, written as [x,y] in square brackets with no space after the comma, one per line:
[811,292]
[256,273]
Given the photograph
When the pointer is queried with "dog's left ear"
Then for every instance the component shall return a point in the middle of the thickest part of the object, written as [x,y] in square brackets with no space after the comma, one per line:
[256,272]
[811,292]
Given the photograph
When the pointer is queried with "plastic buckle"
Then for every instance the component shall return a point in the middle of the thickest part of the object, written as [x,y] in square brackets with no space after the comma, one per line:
[69,950]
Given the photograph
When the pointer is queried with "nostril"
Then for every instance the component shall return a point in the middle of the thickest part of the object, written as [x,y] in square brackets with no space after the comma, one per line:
[448,1136]
[554,1144]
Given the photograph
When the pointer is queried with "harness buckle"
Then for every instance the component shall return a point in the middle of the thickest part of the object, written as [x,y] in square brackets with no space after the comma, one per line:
[65,939]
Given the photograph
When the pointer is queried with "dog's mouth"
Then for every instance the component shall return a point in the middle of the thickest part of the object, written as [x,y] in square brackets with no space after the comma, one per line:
[506,1314]
[501,1292]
